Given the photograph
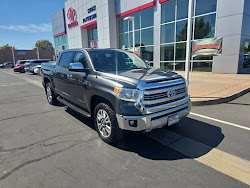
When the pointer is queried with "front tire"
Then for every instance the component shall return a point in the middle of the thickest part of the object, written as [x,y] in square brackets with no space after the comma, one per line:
[106,124]
[51,97]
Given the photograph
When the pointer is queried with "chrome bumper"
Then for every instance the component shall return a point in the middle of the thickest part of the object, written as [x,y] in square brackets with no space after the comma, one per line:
[152,121]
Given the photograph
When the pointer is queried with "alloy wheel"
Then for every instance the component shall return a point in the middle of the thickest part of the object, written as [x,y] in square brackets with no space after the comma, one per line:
[103,123]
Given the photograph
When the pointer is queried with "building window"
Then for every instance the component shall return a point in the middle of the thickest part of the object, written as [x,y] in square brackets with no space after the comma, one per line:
[92,35]
[167,52]
[182,11]
[60,43]
[168,11]
[147,53]
[204,26]
[181,31]
[180,52]
[147,37]
[147,18]
[205,6]
[167,33]
[246,61]
[144,33]
[174,20]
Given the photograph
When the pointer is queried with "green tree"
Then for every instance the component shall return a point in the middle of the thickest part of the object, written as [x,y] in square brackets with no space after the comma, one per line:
[182,36]
[247,48]
[6,47]
[44,45]
[202,29]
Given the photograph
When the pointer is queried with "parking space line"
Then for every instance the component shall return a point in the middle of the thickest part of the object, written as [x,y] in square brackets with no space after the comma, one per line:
[220,121]
[218,160]
[37,83]
[13,84]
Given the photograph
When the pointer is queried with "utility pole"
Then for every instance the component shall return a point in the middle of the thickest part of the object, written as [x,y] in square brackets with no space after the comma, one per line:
[189,42]
[37,52]
[13,55]
[130,18]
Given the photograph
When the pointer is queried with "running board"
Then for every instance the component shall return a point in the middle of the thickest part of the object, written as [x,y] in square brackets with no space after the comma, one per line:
[73,107]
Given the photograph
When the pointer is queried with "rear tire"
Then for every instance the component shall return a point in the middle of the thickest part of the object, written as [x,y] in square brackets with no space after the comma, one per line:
[51,97]
[22,71]
[106,124]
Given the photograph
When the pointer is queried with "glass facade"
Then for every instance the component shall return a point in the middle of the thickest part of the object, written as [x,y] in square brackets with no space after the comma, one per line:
[246,61]
[60,43]
[92,35]
[144,33]
[174,19]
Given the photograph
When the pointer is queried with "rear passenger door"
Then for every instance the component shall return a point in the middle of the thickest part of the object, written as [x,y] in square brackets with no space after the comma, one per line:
[61,72]
[78,82]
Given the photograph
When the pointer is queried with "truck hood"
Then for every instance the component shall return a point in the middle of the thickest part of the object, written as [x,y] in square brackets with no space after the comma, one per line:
[135,75]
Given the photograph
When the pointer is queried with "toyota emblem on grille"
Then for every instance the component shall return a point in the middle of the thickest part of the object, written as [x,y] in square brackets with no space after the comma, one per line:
[171,93]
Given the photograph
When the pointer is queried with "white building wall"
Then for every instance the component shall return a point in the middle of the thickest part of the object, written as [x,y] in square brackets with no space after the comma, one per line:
[229,26]
[106,24]
[125,5]
[74,34]
[76,37]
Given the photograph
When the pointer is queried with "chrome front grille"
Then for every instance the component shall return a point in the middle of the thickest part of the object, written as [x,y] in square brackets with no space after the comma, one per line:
[157,94]
[149,97]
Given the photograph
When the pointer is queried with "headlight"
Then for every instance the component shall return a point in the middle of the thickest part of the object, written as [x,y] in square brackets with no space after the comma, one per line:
[127,94]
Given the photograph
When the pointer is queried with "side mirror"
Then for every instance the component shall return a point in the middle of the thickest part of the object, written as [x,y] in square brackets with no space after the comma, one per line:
[76,67]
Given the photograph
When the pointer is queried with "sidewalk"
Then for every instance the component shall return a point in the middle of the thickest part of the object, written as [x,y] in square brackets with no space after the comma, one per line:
[208,88]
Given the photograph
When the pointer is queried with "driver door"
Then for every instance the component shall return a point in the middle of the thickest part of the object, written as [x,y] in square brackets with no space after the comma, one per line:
[78,82]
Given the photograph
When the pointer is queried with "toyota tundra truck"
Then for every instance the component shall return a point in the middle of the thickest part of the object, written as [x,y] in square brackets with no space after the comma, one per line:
[117,89]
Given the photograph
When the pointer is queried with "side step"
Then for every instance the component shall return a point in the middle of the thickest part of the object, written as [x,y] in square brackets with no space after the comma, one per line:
[73,107]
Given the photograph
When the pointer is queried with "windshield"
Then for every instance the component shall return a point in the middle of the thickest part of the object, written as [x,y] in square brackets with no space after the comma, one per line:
[112,60]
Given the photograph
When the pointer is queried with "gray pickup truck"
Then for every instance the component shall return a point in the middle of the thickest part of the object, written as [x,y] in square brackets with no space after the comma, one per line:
[117,89]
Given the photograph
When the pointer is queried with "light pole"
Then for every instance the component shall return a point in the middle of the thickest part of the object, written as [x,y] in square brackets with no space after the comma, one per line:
[37,52]
[13,55]
[189,38]
[130,18]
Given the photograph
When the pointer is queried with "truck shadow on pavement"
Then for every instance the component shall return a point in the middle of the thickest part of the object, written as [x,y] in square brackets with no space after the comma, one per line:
[155,145]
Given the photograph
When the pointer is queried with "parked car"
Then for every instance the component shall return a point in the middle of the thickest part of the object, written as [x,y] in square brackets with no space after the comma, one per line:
[117,89]
[7,65]
[37,69]
[21,62]
[29,66]
[19,68]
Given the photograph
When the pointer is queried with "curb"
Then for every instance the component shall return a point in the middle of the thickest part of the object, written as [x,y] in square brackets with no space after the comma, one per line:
[221,100]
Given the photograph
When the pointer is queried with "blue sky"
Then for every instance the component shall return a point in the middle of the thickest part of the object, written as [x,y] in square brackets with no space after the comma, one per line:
[23,22]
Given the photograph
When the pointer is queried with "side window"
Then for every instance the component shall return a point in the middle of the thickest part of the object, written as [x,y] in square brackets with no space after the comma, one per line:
[80,57]
[66,59]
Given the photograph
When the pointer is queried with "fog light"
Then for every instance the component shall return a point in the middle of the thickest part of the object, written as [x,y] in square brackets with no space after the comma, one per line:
[133,123]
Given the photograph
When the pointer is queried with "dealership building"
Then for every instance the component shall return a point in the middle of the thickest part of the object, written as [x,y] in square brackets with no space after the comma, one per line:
[160,30]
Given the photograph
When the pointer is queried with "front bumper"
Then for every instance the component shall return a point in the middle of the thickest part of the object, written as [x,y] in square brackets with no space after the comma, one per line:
[154,120]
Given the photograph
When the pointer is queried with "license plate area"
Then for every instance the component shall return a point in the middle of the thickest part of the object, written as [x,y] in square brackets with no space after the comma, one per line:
[173,119]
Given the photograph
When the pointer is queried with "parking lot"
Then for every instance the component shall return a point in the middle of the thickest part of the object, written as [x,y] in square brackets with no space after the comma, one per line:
[52,146]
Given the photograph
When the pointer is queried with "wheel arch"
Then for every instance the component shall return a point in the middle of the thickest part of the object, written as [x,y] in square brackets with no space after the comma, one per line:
[96,99]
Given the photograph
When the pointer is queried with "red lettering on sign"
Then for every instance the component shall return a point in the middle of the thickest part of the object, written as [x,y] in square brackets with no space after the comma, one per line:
[73,24]
[207,46]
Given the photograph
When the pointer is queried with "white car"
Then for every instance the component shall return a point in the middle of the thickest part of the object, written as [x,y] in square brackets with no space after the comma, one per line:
[37,69]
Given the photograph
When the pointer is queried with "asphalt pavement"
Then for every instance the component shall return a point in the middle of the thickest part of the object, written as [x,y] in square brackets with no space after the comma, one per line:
[52,146]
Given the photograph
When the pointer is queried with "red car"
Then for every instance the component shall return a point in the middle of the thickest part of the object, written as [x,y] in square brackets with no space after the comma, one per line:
[19,68]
